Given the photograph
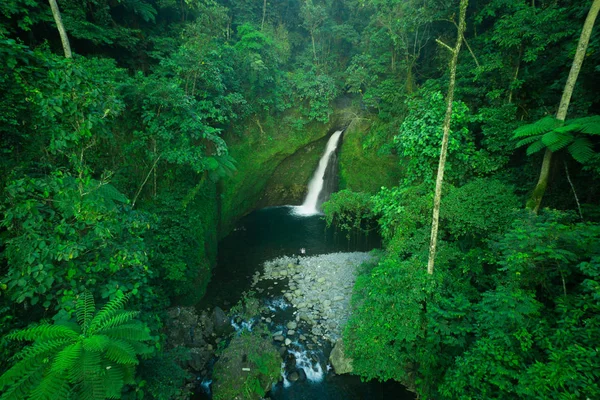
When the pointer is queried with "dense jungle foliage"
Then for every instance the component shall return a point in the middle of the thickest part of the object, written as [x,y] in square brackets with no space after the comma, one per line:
[124,163]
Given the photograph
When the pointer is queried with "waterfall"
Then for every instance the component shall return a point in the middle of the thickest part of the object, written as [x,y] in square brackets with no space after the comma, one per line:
[310,205]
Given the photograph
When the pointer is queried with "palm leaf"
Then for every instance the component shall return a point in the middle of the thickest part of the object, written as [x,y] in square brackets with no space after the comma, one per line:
[581,150]
[540,127]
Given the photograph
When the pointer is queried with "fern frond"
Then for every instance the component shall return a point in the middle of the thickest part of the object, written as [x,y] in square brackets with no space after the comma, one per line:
[118,318]
[589,125]
[144,10]
[528,140]
[91,386]
[53,386]
[581,150]
[114,380]
[67,358]
[108,311]
[96,343]
[540,127]
[121,352]
[133,331]
[20,385]
[44,332]
[41,348]
[129,374]
[142,349]
[556,141]
[535,147]
[85,310]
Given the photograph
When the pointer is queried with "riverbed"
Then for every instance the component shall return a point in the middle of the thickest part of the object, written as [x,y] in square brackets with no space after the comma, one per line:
[252,258]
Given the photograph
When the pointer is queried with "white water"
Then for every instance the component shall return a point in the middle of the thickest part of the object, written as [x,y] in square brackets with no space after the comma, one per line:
[243,326]
[309,207]
[312,369]
[286,383]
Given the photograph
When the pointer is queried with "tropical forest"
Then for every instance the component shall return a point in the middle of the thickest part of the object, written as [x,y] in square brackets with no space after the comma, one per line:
[299,199]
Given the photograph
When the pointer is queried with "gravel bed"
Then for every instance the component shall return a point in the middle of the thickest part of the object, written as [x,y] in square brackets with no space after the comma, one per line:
[319,288]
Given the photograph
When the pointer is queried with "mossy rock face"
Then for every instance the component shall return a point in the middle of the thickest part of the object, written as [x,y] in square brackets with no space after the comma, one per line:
[289,182]
[364,166]
[259,148]
[247,368]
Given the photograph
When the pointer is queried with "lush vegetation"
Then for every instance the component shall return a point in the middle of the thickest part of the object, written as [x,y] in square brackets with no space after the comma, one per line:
[138,131]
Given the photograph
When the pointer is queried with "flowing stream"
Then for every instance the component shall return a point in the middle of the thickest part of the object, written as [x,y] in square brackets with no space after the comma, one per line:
[268,234]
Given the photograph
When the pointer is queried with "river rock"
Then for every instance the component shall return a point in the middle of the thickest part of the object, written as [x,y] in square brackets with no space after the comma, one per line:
[291,325]
[340,363]
[198,358]
[293,377]
[221,322]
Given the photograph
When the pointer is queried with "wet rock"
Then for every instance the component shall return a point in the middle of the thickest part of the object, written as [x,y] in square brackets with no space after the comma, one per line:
[198,358]
[293,377]
[278,338]
[292,325]
[221,322]
[340,363]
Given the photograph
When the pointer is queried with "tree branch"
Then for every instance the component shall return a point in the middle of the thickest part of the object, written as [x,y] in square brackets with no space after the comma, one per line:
[450,49]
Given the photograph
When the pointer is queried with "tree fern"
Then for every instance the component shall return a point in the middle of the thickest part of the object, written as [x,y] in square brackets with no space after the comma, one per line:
[540,127]
[111,308]
[85,310]
[581,149]
[556,135]
[93,359]
[555,140]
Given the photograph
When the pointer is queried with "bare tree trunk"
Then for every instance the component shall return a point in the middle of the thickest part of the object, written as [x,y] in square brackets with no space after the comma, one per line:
[262,24]
[61,29]
[312,36]
[444,150]
[538,193]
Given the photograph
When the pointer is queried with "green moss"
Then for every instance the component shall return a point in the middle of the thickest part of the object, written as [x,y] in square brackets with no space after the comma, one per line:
[289,181]
[258,150]
[364,167]
[246,369]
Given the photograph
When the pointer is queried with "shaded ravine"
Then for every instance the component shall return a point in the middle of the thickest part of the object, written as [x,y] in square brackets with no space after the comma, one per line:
[297,232]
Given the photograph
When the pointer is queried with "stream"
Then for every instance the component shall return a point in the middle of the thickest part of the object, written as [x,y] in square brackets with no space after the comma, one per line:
[270,233]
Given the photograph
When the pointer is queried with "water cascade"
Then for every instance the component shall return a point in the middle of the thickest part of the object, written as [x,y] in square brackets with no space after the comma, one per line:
[311,202]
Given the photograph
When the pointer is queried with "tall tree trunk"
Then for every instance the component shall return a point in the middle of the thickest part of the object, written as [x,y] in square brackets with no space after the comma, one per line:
[61,28]
[312,37]
[444,150]
[536,197]
[262,24]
